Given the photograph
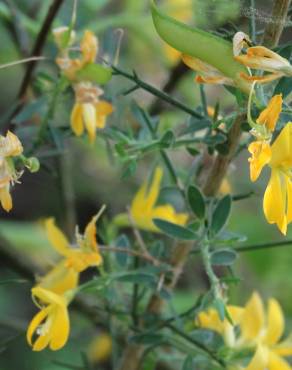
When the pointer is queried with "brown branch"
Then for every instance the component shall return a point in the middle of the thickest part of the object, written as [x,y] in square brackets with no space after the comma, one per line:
[39,45]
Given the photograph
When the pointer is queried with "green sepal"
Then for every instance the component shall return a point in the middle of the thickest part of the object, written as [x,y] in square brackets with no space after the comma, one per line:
[197,43]
[95,73]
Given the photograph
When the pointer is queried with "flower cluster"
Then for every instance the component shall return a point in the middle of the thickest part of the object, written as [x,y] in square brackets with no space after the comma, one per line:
[89,111]
[53,293]
[253,331]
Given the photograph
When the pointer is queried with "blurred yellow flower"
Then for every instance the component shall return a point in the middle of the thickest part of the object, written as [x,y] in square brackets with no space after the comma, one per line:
[88,110]
[261,154]
[100,348]
[51,324]
[89,50]
[84,255]
[252,329]
[260,58]
[270,115]
[10,146]
[143,209]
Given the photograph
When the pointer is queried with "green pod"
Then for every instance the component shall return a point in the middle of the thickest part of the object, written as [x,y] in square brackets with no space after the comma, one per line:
[203,45]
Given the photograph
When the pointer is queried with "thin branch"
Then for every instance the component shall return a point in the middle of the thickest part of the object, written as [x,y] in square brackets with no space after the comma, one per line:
[39,45]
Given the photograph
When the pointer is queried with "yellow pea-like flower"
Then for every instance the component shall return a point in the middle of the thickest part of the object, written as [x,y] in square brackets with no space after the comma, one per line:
[51,325]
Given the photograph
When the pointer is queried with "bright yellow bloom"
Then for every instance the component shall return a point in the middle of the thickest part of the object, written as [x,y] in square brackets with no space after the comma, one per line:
[60,279]
[84,255]
[89,111]
[10,146]
[51,324]
[252,328]
[211,320]
[266,123]
[265,329]
[206,72]
[143,209]
[260,58]
[261,154]
[270,115]
[278,195]
[100,348]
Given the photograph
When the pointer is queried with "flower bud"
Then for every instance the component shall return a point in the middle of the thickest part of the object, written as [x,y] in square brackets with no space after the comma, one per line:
[64,37]
[32,164]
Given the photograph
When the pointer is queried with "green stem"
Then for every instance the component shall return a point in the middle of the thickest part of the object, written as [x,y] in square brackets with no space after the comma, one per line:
[197,344]
[164,156]
[266,245]
[156,92]
[213,279]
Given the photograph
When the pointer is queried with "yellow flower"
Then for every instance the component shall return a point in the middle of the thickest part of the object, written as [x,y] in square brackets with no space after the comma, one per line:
[143,209]
[100,348]
[278,195]
[10,146]
[89,111]
[253,329]
[270,115]
[51,324]
[206,72]
[89,50]
[261,154]
[264,59]
[84,255]
[60,279]
[265,329]
[210,320]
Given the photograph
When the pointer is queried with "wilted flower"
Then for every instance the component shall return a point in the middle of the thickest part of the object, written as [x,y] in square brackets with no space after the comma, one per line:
[10,146]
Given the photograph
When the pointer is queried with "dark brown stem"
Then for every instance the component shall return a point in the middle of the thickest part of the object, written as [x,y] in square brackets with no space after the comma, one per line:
[39,45]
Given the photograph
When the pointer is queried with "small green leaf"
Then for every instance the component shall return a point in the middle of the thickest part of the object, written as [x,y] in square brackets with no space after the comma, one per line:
[122,242]
[220,308]
[95,73]
[168,138]
[221,214]
[196,201]
[223,257]
[174,230]
[283,87]
[188,363]
[137,278]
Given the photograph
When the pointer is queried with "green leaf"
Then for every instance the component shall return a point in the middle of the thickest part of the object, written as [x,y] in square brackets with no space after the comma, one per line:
[137,278]
[208,47]
[151,338]
[221,214]
[188,363]
[174,230]
[95,73]
[223,257]
[167,139]
[196,201]
[122,242]
[283,87]
[220,308]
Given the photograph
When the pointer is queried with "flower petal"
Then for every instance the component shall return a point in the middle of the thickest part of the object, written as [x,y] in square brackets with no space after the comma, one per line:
[270,115]
[77,120]
[89,116]
[277,363]
[275,323]
[57,238]
[261,154]
[60,328]
[274,201]
[252,320]
[282,148]
[259,360]
[5,198]
[35,323]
